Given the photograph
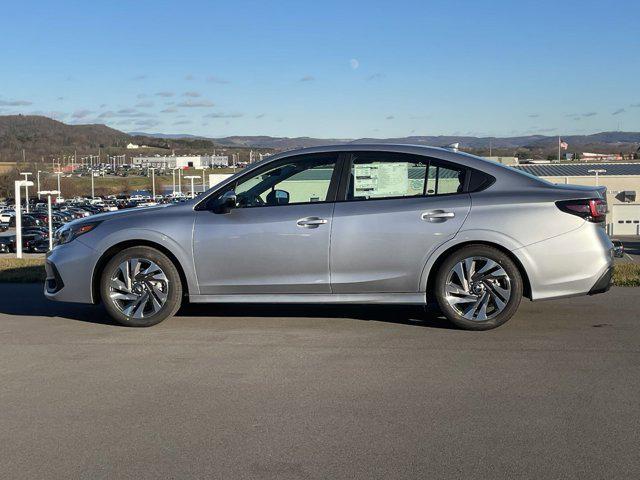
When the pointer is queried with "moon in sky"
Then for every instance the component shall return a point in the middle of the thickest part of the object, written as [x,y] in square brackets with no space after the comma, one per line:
[354,63]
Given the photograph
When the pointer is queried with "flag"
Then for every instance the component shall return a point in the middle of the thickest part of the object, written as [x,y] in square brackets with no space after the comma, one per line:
[563,145]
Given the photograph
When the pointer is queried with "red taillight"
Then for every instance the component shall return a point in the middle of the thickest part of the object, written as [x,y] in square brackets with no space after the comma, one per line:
[591,209]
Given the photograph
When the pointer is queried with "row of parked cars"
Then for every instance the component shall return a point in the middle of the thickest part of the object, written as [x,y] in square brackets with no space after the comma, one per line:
[35,223]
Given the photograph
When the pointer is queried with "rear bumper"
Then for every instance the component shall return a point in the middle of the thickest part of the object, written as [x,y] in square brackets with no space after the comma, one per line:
[579,262]
[604,282]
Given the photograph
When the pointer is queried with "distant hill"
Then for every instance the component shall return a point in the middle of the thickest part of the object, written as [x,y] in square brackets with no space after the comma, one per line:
[35,132]
[597,142]
[605,141]
[42,136]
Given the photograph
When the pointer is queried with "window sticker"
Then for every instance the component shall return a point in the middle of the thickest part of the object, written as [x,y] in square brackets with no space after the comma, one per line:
[380,179]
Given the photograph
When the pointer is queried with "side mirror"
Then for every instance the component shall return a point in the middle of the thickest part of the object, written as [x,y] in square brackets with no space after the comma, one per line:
[226,202]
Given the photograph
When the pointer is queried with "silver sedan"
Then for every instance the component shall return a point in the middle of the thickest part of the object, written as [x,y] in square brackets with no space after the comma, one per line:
[394,224]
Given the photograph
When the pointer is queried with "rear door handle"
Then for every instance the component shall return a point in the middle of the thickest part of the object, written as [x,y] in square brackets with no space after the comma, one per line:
[437,216]
[311,222]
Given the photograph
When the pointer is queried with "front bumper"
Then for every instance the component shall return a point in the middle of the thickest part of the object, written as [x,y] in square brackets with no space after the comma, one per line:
[69,271]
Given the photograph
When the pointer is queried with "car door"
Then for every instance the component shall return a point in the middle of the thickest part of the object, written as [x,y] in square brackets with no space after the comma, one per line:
[276,238]
[395,210]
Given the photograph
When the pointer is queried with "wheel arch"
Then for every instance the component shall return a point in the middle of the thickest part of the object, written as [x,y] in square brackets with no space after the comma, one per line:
[433,270]
[108,254]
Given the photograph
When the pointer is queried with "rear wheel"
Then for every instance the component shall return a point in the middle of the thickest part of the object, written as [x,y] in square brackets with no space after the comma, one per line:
[140,287]
[478,287]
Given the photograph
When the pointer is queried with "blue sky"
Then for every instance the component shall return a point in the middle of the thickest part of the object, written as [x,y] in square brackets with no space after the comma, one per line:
[338,69]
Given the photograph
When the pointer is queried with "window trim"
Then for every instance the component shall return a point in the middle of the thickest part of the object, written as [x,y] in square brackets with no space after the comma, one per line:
[204,204]
[348,163]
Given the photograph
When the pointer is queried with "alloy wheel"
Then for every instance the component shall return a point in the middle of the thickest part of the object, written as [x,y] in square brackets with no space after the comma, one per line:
[138,288]
[478,288]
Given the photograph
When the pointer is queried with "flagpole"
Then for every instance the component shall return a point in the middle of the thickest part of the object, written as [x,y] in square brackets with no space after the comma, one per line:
[558,148]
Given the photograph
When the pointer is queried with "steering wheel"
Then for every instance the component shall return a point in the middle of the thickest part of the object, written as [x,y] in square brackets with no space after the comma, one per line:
[250,201]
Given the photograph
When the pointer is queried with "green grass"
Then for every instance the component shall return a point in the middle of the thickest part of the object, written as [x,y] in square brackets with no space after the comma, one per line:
[29,270]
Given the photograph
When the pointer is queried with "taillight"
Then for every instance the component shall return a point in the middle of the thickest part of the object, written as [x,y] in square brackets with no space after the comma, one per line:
[591,209]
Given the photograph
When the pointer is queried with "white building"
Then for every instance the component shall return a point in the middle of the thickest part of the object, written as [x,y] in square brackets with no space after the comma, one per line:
[185,161]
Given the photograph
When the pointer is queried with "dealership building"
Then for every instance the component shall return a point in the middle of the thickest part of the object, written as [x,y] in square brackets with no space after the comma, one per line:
[621,179]
[187,161]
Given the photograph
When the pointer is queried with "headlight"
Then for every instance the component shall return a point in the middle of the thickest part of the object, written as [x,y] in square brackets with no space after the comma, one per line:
[69,232]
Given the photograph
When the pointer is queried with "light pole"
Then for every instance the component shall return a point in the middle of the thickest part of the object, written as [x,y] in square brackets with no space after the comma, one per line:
[597,171]
[153,182]
[59,190]
[48,193]
[26,188]
[92,185]
[173,180]
[18,185]
[192,178]
[180,180]
[38,175]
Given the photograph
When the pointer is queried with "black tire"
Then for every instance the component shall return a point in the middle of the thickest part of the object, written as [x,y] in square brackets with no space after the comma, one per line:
[173,287]
[492,254]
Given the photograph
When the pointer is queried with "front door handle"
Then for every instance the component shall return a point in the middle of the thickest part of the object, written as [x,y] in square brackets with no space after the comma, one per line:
[311,222]
[437,216]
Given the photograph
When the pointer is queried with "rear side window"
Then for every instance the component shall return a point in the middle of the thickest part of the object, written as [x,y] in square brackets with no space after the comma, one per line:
[380,175]
[479,181]
[443,180]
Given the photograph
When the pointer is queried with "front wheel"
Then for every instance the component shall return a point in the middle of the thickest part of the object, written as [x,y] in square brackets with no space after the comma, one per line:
[478,287]
[140,287]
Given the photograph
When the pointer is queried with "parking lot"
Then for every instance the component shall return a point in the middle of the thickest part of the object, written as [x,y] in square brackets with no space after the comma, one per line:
[320,392]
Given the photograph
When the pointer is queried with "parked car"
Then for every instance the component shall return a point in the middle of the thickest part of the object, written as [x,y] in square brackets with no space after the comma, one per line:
[6,215]
[7,244]
[39,246]
[346,224]
[618,248]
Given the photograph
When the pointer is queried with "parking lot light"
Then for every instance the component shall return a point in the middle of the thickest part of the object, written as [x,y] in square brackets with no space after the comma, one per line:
[18,185]
[48,193]
[26,189]
[192,178]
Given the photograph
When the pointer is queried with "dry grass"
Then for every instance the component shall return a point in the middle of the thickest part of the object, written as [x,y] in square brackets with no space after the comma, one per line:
[627,275]
[29,270]
[23,270]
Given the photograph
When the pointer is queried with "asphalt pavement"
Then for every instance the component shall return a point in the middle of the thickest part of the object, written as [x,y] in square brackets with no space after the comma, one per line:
[320,392]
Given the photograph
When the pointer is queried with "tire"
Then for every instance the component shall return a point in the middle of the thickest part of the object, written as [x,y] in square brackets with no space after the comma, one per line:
[155,278]
[490,296]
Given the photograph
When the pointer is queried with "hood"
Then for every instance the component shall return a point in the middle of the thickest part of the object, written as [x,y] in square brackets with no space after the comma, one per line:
[128,212]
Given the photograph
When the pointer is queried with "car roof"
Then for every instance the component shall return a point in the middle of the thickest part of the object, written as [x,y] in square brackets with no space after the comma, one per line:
[465,159]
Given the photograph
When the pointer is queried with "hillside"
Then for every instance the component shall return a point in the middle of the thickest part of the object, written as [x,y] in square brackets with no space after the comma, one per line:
[35,132]
[45,137]
[598,142]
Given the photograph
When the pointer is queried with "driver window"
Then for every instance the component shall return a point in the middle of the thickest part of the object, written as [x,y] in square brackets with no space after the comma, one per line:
[302,180]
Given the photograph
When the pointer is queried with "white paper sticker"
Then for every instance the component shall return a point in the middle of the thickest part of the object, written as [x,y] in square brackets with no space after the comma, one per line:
[381,179]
